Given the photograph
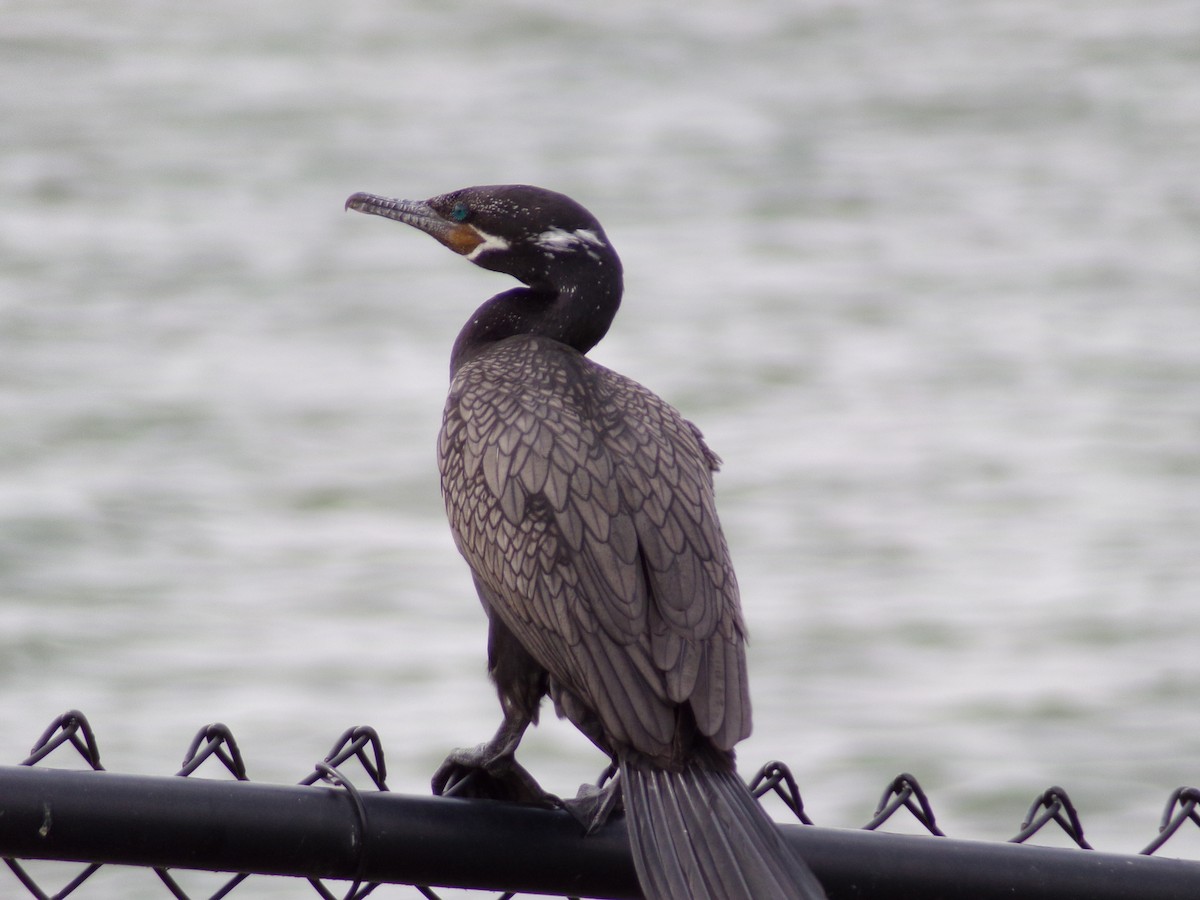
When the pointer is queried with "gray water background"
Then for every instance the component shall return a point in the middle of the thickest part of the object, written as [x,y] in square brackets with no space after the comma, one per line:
[926,274]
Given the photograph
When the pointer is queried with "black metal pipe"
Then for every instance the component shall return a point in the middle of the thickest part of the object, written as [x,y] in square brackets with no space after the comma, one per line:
[862,864]
[323,832]
[237,826]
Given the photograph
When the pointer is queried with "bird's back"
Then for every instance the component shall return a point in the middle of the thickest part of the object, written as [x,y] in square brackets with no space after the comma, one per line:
[583,504]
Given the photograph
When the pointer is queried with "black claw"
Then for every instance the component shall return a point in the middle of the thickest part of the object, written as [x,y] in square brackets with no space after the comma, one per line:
[479,774]
[593,806]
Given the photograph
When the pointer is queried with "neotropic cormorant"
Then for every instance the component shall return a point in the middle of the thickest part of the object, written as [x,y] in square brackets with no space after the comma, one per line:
[583,504]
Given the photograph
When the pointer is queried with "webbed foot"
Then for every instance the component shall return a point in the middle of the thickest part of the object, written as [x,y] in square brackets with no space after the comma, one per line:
[482,772]
[595,804]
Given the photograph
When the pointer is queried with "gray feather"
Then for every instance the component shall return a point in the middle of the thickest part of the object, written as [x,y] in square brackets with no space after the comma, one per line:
[583,502]
[700,834]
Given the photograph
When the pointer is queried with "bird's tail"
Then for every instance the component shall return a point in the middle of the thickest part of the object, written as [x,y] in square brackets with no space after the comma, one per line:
[699,834]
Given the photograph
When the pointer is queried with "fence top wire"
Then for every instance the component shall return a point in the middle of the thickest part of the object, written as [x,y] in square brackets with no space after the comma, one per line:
[215,745]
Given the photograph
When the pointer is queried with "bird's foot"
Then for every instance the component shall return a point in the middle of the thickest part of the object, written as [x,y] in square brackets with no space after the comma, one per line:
[482,772]
[594,805]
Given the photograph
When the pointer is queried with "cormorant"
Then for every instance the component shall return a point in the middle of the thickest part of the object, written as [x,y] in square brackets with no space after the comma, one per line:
[583,504]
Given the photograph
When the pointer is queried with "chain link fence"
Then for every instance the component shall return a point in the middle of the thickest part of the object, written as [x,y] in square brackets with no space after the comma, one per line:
[346,840]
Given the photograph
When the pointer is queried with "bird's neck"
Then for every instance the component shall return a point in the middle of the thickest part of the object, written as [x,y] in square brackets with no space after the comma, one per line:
[576,312]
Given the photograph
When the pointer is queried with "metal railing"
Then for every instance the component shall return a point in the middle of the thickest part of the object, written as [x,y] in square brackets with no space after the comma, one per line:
[329,829]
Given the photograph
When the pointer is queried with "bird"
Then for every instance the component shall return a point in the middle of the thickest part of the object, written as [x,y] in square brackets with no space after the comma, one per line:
[583,504]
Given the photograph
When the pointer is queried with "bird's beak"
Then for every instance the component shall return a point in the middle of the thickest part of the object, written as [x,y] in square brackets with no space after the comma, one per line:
[459,237]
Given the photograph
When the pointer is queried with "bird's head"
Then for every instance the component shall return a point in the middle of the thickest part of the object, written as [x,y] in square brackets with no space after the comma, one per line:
[531,233]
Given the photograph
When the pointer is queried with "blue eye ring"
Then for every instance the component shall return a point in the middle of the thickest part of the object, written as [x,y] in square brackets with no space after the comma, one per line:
[460,212]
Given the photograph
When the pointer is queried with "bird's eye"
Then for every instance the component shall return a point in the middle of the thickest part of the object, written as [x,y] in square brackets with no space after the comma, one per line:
[460,212]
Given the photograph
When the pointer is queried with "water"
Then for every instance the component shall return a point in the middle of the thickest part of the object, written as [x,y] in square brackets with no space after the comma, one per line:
[926,275]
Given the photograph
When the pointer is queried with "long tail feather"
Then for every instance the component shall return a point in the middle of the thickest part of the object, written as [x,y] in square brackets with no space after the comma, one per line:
[700,835]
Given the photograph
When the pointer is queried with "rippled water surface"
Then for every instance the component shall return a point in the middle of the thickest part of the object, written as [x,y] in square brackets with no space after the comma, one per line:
[927,275]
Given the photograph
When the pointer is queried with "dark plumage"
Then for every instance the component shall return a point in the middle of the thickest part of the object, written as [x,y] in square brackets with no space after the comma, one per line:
[583,505]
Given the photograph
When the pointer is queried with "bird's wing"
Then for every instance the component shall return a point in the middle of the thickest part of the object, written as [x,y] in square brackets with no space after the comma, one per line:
[584,503]
[665,479]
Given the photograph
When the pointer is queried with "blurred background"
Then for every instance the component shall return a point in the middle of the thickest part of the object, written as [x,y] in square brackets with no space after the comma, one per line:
[927,275]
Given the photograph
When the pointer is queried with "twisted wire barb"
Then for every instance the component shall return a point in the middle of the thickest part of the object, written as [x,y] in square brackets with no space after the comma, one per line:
[1056,807]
